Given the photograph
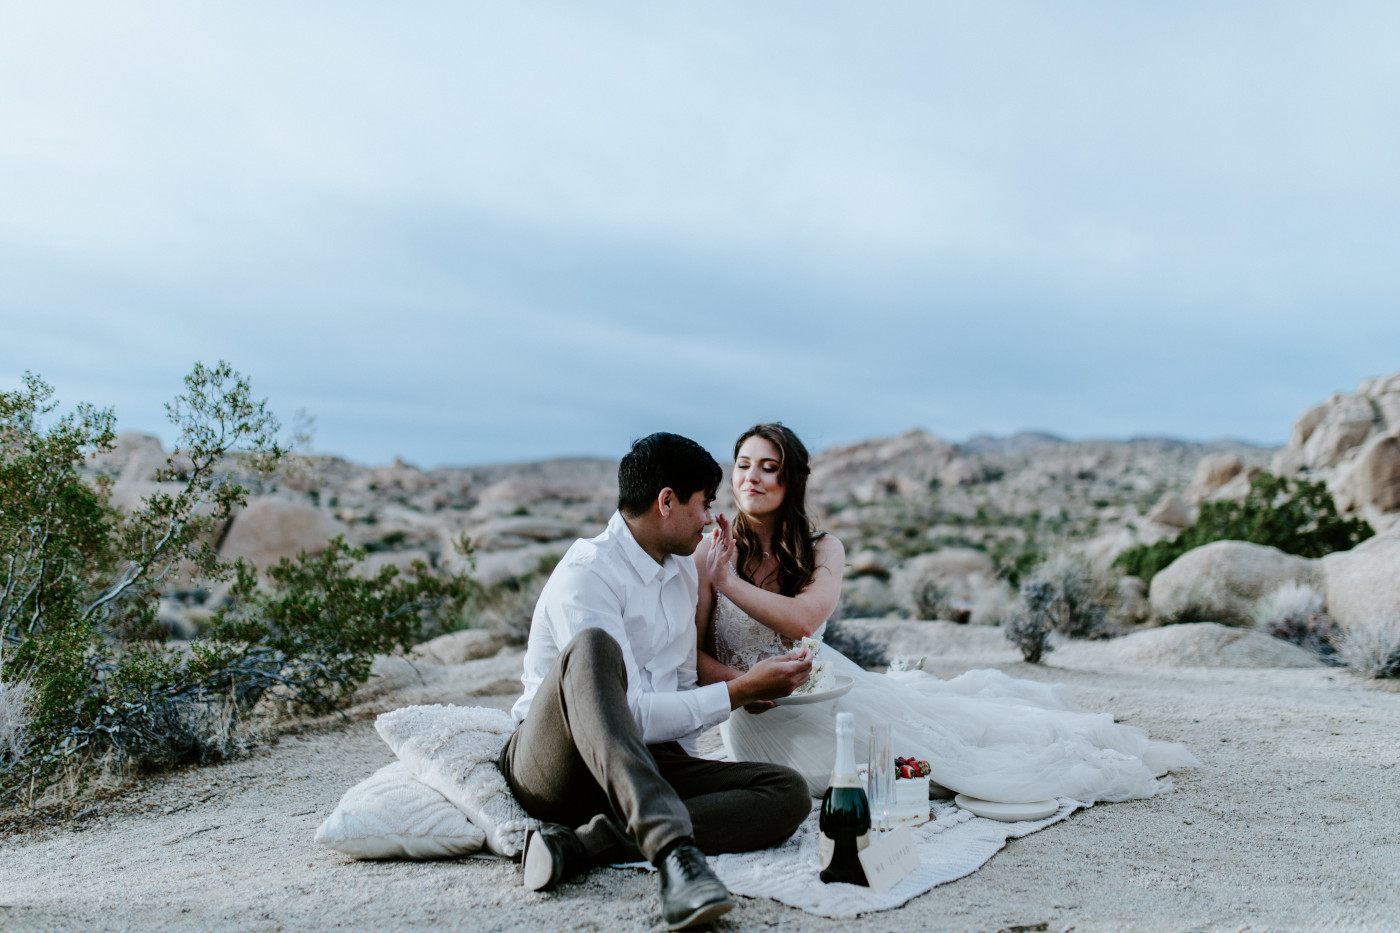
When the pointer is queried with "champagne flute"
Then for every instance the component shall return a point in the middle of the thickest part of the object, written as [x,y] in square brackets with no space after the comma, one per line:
[880,770]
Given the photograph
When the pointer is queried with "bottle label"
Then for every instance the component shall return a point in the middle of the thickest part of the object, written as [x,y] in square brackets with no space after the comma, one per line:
[826,847]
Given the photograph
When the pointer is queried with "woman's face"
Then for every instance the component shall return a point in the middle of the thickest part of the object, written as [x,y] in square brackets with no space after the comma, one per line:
[758,485]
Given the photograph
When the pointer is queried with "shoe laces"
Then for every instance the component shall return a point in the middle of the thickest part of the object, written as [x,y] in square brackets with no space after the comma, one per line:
[690,862]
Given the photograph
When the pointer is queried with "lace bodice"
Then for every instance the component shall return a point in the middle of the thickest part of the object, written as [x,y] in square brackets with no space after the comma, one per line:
[741,641]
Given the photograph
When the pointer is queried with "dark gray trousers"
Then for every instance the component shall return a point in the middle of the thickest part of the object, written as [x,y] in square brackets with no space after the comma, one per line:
[579,759]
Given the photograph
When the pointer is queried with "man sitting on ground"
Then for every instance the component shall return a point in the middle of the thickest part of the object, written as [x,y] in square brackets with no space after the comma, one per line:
[604,749]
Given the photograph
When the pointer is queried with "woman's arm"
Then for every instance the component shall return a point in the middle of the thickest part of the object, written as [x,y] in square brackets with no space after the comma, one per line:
[792,617]
[707,669]
[779,677]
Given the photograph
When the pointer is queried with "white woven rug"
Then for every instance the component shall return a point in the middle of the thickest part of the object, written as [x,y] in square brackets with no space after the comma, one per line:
[950,847]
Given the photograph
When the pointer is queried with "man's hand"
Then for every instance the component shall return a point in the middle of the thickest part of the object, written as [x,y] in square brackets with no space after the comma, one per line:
[770,679]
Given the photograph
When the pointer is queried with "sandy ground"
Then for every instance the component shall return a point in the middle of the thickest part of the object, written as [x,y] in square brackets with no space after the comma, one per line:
[1291,823]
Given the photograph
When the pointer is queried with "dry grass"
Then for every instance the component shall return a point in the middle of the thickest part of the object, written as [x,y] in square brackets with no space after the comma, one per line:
[1372,648]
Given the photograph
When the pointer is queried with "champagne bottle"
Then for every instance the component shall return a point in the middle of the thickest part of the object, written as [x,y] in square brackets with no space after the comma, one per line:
[845,816]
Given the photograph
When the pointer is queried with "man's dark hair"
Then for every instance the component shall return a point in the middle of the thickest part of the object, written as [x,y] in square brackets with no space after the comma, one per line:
[661,460]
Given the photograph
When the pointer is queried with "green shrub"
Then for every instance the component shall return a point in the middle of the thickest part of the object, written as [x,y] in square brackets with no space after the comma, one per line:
[84,670]
[1296,516]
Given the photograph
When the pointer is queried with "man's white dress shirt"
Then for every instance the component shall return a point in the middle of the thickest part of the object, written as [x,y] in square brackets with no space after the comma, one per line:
[610,583]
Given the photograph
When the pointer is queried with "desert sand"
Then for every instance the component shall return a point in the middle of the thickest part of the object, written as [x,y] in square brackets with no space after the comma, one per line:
[1289,823]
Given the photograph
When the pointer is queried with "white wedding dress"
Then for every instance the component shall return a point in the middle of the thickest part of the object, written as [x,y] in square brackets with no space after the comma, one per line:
[983,733]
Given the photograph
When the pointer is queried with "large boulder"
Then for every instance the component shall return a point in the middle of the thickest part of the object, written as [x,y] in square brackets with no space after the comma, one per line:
[515,530]
[1345,424]
[134,457]
[493,567]
[1373,479]
[943,584]
[1224,579]
[1171,511]
[1362,586]
[1213,472]
[396,682]
[270,529]
[1201,644]
[1352,443]
[459,647]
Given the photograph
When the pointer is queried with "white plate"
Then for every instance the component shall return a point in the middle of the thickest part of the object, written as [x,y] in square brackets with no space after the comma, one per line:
[843,687]
[1008,812]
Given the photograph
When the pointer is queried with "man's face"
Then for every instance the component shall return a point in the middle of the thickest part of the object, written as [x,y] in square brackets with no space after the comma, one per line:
[685,526]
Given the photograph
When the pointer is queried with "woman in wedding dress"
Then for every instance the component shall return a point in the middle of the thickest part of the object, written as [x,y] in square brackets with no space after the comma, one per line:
[771,580]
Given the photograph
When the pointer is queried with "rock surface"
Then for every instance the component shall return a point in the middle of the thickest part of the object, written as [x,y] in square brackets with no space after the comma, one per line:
[1223,581]
[270,529]
[1200,644]
[1213,472]
[459,647]
[1226,579]
[1362,585]
[1171,510]
[1352,442]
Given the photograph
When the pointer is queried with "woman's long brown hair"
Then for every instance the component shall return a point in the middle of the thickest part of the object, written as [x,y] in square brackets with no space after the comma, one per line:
[794,535]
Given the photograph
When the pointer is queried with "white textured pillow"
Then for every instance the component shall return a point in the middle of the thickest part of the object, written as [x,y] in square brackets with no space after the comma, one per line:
[391,814]
[453,749]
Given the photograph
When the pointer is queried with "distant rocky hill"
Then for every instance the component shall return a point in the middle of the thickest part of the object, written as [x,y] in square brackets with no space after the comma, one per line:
[909,508]
[890,500]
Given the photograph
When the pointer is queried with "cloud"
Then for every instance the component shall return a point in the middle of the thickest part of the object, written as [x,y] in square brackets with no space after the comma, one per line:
[469,232]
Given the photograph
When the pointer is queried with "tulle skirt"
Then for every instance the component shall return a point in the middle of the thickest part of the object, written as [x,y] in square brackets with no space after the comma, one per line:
[983,733]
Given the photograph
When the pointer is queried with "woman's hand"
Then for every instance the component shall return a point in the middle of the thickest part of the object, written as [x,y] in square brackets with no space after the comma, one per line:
[720,555]
[793,617]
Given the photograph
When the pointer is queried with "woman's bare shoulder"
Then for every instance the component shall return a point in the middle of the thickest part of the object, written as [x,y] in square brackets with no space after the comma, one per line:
[829,548]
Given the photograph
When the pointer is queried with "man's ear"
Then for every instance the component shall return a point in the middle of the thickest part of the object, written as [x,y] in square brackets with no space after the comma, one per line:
[666,501]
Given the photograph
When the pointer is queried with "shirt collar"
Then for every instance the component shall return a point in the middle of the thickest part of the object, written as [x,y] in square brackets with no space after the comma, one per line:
[641,561]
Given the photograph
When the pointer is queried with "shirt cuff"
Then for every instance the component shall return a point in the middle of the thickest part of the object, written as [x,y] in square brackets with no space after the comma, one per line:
[714,703]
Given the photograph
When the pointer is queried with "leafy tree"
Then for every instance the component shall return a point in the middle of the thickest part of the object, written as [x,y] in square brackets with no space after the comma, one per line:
[84,668]
[1296,516]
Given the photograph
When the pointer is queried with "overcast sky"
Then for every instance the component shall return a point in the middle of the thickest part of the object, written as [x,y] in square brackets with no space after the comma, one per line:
[470,232]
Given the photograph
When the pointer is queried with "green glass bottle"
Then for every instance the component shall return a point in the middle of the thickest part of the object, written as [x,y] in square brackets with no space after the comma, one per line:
[845,816]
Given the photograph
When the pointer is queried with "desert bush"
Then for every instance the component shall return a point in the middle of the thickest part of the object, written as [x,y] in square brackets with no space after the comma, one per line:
[1372,648]
[1293,613]
[1291,600]
[1030,628]
[1317,633]
[14,720]
[859,646]
[1296,516]
[86,673]
[933,599]
[1081,595]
